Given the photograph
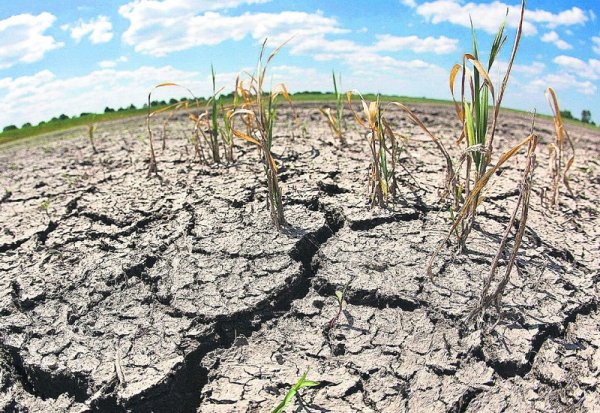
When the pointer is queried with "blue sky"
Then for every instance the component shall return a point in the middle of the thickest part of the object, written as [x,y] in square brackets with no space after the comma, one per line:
[68,56]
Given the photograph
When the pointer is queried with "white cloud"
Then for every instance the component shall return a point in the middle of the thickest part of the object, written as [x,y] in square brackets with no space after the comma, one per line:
[410,3]
[160,27]
[107,64]
[487,16]
[22,39]
[437,45]
[596,44]
[588,70]
[592,15]
[99,30]
[161,35]
[50,96]
[564,82]
[532,69]
[569,17]
[554,38]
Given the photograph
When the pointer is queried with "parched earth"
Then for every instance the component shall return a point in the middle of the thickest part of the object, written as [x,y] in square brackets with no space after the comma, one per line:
[123,292]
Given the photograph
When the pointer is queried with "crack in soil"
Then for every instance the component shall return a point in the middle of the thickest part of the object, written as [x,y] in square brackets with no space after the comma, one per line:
[181,391]
[507,370]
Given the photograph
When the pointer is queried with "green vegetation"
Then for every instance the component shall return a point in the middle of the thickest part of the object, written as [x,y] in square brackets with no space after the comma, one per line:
[586,116]
[45,207]
[300,384]
[340,298]
[57,124]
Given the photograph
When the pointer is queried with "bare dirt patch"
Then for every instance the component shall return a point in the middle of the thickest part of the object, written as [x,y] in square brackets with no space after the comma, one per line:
[123,292]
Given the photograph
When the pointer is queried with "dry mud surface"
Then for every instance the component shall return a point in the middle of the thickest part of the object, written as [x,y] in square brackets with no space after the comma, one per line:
[123,292]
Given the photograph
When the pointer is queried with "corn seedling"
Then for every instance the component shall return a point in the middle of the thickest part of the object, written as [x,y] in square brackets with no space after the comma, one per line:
[466,190]
[383,148]
[45,207]
[91,130]
[258,112]
[494,298]
[335,120]
[558,166]
[340,297]
[300,384]
[227,133]
[473,110]
[206,126]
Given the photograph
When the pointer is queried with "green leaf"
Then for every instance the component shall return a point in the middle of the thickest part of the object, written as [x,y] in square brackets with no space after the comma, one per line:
[300,384]
[340,297]
[469,125]
[497,44]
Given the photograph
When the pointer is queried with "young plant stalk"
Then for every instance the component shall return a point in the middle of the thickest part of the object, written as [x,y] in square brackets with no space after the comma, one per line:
[300,384]
[382,148]
[335,120]
[488,298]
[340,297]
[558,167]
[91,130]
[474,196]
[214,129]
[258,112]
[228,127]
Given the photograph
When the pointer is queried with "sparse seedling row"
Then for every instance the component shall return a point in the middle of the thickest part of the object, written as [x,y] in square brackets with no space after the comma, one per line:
[477,104]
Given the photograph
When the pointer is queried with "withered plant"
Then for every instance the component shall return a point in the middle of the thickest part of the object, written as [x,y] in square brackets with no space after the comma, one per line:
[383,149]
[493,296]
[467,178]
[258,111]
[91,130]
[561,157]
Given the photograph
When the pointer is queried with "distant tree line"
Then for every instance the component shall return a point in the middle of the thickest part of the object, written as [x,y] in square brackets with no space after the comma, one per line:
[586,116]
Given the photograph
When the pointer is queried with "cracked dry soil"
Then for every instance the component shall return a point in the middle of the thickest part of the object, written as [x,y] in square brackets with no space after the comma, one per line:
[121,292]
